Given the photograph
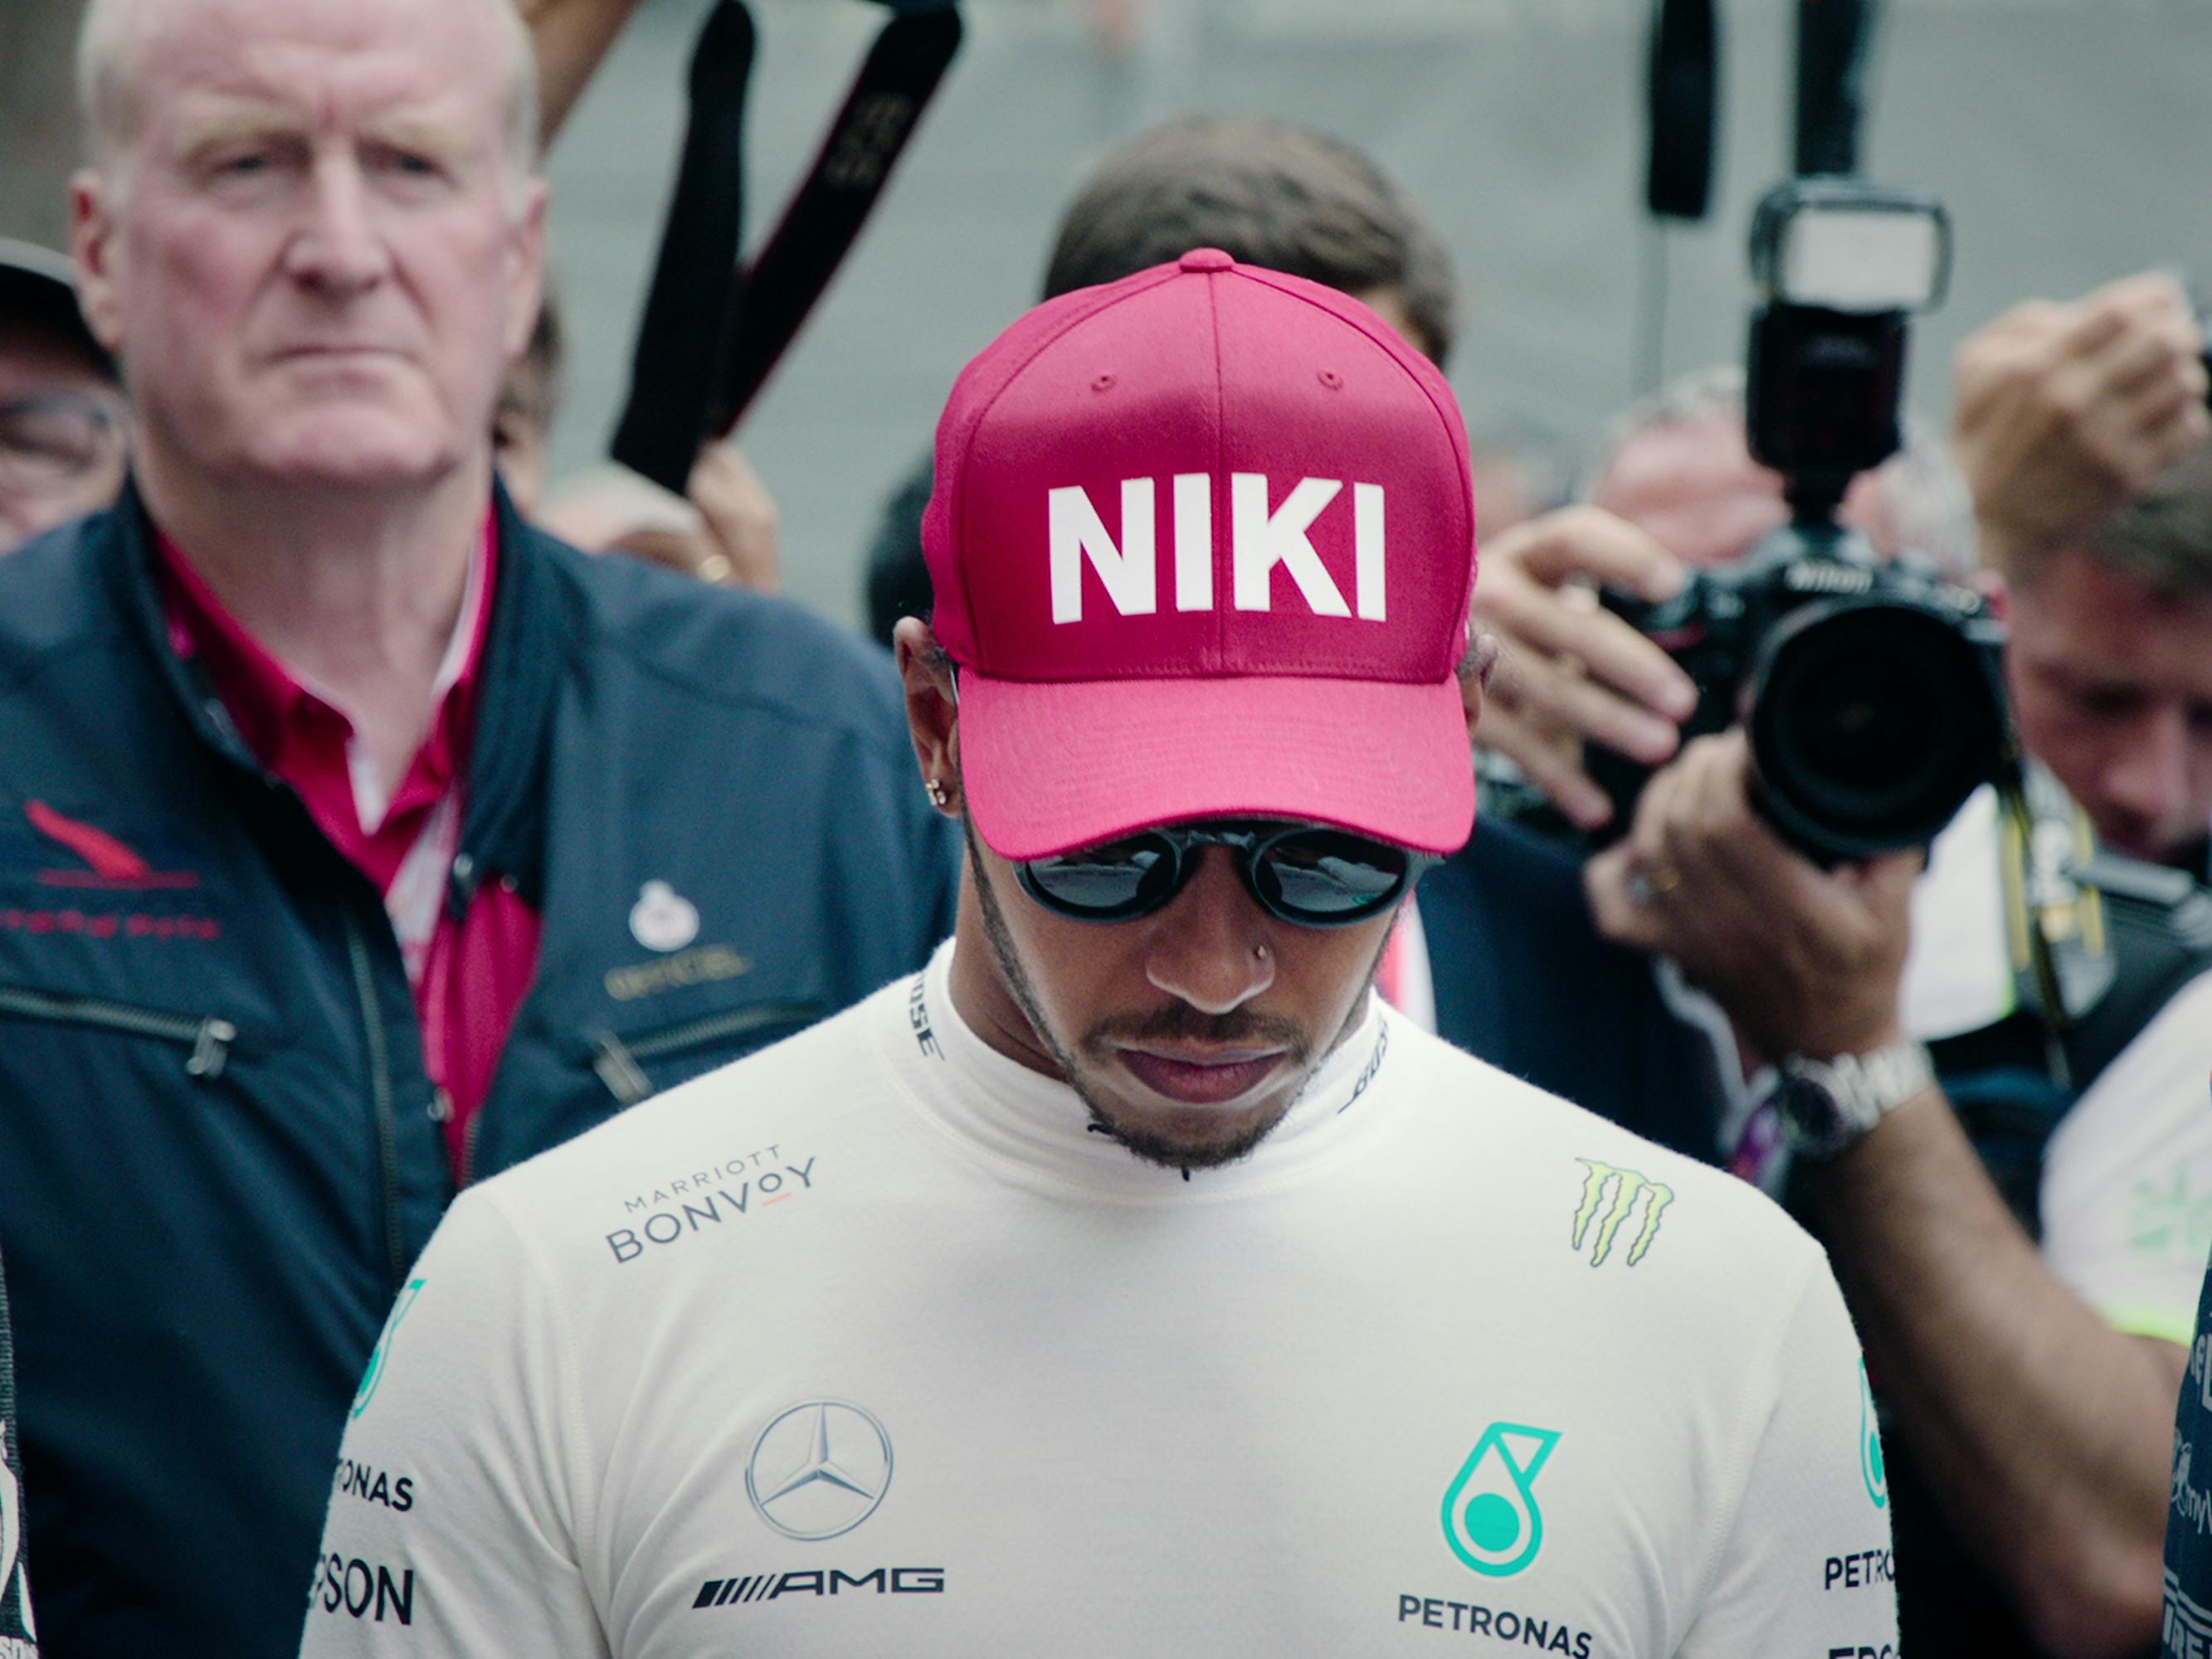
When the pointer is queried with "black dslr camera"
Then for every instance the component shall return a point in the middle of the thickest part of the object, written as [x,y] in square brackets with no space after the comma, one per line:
[1871,690]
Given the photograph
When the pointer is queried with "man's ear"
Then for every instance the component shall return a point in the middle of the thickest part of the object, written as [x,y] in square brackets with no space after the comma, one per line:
[1992,587]
[525,269]
[1474,673]
[92,242]
[933,712]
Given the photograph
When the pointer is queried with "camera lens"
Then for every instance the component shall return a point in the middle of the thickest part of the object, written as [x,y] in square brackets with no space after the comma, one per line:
[1871,722]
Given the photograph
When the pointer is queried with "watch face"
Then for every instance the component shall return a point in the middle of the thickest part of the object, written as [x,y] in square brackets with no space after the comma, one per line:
[1812,1117]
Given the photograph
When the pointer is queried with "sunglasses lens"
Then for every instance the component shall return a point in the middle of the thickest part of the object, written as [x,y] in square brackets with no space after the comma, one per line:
[1121,877]
[1325,876]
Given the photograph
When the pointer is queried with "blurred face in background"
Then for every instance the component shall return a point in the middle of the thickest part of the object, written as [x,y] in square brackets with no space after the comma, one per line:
[1693,487]
[63,433]
[315,252]
[2111,684]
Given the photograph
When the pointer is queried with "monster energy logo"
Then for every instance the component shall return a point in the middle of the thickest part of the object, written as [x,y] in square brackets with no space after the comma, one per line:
[1627,1187]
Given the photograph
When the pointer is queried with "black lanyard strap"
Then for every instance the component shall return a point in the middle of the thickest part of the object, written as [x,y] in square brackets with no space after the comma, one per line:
[713,331]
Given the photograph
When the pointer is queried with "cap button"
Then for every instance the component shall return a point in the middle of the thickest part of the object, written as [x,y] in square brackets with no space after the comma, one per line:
[1205,258]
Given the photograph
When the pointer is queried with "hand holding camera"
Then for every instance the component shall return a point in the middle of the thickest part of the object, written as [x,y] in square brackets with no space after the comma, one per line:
[1701,878]
[1871,692]
[1571,673]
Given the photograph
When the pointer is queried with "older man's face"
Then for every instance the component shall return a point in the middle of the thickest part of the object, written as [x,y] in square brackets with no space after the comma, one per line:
[1696,490]
[315,261]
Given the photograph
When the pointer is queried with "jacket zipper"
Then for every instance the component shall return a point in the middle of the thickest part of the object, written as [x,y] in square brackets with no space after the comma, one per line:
[208,1039]
[620,1065]
[380,1091]
[468,1172]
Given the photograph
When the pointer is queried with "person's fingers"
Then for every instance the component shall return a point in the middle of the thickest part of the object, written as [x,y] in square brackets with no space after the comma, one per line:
[1483,654]
[1554,691]
[1550,768]
[1654,827]
[1613,652]
[2152,355]
[1617,910]
[683,552]
[1699,814]
[1884,883]
[1598,715]
[2121,307]
[740,516]
[1588,542]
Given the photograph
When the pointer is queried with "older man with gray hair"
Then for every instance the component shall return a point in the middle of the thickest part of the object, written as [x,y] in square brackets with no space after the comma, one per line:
[358,841]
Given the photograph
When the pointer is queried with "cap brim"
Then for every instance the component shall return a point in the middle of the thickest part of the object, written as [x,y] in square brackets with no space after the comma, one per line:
[1049,767]
[38,281]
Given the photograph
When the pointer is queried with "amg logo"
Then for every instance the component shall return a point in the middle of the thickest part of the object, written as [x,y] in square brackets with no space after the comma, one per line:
[1627,1186]
[359,1587]
[767,1586]
[1259,541]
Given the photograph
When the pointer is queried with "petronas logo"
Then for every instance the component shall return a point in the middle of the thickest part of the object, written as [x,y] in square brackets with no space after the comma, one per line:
[1871,1466]
[382,1352]
[1491,1519]
[1610,1197]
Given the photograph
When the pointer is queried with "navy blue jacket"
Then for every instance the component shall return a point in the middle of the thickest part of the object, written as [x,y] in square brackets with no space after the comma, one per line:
[1524,980]
[219,1148]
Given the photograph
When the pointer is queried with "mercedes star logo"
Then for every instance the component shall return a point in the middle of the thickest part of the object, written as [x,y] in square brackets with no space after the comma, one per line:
[819,1469]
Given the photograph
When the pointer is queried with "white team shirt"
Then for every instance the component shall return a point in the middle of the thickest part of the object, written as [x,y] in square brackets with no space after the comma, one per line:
[2126,1193]
[866,1344]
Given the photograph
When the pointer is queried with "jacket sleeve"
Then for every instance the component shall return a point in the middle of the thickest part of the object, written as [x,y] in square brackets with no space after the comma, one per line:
[1807,1564]
[452,1521]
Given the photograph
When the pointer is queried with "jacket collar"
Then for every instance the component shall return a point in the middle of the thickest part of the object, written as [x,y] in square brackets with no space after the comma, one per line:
[535,624]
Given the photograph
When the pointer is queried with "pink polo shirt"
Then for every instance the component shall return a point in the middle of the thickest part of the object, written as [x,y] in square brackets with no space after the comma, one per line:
[469,975]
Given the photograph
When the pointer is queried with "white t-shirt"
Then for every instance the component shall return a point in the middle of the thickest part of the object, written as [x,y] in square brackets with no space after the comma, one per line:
[2126,1194]
[866,1344]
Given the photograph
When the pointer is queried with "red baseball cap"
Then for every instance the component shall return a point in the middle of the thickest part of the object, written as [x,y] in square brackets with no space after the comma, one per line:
[1202,541]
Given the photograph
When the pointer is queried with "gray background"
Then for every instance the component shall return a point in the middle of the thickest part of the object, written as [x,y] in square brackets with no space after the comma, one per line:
[2072,140]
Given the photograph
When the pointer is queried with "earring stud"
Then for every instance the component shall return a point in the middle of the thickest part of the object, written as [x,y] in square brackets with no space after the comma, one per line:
[938,793]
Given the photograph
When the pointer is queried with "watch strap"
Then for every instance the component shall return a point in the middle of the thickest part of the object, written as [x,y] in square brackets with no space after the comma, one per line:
[1831,1103]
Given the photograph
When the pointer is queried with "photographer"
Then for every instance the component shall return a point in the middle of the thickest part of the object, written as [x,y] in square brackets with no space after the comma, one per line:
[2065,414]
[1676,486]
[2017,1240]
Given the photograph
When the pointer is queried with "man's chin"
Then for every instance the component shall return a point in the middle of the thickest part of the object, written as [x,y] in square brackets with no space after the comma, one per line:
[352,454]
[1188,1137]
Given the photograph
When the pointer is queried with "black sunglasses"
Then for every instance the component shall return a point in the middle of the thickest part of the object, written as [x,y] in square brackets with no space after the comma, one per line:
[1305,873]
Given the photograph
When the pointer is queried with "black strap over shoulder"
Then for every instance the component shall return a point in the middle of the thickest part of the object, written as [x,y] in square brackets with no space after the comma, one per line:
[2009,1087]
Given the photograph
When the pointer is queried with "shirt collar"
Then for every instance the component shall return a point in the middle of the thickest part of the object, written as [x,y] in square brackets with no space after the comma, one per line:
[266,700]
[1035,1130]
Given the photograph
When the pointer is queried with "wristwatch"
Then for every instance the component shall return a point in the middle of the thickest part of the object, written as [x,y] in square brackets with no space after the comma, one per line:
[1826,1105]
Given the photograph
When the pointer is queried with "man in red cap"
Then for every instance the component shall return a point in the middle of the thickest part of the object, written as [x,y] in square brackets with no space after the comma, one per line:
[1132,1280]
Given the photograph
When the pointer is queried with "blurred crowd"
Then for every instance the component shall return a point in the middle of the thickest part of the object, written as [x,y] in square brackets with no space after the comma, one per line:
[379,812]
